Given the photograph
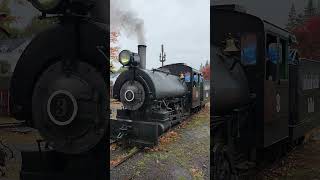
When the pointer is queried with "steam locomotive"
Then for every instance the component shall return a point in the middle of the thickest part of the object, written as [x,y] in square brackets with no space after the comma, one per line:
[58,87]
[265,98]
[154,100]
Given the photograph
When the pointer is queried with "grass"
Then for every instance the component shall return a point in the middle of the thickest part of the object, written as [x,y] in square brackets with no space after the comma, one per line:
[180,151]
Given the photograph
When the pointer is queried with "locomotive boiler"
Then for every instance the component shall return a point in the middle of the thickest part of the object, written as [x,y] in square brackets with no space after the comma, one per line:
[137,86]
[229,78]
[153,100]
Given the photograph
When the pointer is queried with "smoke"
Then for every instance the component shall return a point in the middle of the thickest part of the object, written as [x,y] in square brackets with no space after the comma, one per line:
[124,19]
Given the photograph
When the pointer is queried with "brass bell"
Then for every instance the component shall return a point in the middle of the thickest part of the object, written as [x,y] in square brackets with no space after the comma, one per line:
[230,46]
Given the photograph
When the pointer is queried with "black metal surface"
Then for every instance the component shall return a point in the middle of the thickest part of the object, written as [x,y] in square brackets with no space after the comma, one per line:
[157,84]
[132,95]
[177,69]
[52,165]
[230,87]
[59,86]
[99,12]
[304,97]
[139,132]
[282,108]
[166,101]
[56,42]
[69,107]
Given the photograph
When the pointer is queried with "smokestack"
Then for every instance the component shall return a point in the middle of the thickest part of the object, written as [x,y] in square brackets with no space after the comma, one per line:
[142,51]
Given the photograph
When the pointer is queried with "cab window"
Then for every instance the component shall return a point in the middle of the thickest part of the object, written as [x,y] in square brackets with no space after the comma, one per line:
[272,57]
[187,77]
[249,49]
[195,79]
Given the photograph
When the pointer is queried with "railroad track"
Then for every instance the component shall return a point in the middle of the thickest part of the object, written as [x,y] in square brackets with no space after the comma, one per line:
[124,157]
[127,157]
[11,125]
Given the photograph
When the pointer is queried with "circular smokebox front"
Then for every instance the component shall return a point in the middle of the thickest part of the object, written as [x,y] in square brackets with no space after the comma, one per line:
[132,95]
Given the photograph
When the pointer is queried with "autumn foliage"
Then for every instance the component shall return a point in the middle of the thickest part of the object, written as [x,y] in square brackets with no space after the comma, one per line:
[308,36]
[206,72]
[114,50]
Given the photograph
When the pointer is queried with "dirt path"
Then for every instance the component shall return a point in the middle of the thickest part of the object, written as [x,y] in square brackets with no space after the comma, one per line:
[182,154]
[302,163]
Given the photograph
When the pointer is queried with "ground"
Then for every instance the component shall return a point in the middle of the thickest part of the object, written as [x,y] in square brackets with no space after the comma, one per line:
[183,153]
[302,163]
[15,139]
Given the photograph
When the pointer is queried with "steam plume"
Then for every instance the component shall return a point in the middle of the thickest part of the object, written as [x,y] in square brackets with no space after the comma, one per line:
[124,19]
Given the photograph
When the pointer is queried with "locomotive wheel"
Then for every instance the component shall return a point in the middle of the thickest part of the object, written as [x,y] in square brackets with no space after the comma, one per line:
[223,166]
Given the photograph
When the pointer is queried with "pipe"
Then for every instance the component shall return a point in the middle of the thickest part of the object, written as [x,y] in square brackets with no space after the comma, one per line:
[142,50]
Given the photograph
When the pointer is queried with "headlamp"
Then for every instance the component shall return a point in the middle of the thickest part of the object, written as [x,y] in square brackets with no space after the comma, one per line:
[127,58]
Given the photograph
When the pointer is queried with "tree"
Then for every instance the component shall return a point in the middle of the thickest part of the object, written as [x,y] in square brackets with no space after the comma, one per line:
[201,67]
[300,20]
[308,36]
[114,49]
[292,20]
[206,72]
[310,10]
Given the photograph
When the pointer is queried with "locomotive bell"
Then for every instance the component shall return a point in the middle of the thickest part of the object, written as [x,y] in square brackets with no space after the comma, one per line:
[231,46]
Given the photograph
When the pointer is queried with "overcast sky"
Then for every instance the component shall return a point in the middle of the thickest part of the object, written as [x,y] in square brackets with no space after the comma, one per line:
[275,11]
[183,27]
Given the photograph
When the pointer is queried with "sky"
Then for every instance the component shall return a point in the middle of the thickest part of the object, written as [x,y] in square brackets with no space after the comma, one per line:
[275,11]
[182,26]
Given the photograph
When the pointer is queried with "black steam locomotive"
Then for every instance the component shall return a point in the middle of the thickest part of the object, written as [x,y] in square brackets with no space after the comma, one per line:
[58,87]
[154,100]
[265,98]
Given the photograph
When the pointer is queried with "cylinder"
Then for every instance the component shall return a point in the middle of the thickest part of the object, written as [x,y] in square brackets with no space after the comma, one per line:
[142,50]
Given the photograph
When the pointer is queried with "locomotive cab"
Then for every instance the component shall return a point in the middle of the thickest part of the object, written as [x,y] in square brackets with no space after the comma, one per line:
[250,62]
[271,102]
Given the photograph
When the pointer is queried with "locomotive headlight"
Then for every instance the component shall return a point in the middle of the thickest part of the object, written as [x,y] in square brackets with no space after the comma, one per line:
[125,57]
[46,6]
